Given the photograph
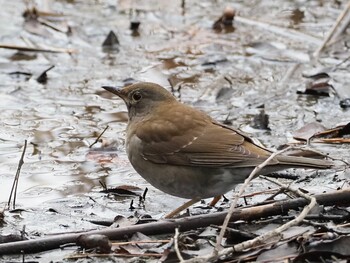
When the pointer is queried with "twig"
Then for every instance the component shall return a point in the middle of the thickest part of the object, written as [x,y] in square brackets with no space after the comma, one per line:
[16,179]
[280,191]
[50,50]
[52,26]
[140,242]
[96,141]
[273,191]
[335,198]
[279,230]
[287,32]
[289,74]
[122,255]
[176,245]
[343,225]
[332,30]
[181,208]
[260,239]
[236,197]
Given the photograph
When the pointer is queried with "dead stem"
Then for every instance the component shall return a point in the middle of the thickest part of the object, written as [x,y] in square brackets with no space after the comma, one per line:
[31,49]
[241,190]
[140,242]
[332,30]
[176,245]
[97,139]
[16,179]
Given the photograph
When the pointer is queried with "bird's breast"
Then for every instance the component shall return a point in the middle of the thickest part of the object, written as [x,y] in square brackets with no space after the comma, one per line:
[182,181]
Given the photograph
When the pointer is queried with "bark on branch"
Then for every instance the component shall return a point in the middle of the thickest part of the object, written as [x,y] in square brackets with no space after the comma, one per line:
[338,198]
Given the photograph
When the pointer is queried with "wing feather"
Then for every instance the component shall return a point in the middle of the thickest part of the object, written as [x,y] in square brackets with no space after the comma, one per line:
[194,139]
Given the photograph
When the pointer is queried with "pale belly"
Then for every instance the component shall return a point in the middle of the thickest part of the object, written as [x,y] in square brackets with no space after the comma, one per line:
[187,181]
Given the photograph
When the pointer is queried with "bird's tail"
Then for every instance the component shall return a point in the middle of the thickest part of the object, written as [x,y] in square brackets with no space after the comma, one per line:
[303,162]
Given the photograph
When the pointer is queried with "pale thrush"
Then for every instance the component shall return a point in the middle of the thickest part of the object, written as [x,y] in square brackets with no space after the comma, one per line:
[184,152]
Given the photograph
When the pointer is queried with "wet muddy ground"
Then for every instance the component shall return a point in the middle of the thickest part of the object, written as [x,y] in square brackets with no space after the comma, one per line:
[232,73]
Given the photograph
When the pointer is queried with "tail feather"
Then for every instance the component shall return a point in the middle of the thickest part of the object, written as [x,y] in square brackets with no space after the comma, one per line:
[303,162]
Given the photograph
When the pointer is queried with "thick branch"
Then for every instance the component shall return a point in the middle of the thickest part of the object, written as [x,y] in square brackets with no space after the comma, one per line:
[341,197]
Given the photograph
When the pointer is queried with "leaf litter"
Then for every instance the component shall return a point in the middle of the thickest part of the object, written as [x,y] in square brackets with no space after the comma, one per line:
[64,113]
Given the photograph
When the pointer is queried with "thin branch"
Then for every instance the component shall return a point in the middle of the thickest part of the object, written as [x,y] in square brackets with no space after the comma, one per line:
[335,198]
[16,179]
[261,239]
[109,255]
[282,31]
[279,230]
[236,197]
[31,49]
[135,242]
[181,208]
[176,245]
[99,137]
[332,30]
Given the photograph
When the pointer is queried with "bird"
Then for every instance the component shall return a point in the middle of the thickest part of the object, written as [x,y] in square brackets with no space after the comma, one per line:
[183,152]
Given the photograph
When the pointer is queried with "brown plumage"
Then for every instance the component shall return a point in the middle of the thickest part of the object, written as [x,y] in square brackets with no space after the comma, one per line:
[184,152]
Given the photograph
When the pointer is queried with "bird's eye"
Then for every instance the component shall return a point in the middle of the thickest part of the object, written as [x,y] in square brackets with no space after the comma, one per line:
[136,96]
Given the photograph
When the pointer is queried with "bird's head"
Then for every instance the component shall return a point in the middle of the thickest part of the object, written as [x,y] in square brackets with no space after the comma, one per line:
[142,98]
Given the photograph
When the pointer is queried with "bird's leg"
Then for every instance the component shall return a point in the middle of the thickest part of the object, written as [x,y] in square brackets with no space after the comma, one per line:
[183,207]
[215,200]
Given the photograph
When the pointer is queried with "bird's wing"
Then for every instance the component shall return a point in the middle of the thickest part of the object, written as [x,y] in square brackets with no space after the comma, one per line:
[194,139]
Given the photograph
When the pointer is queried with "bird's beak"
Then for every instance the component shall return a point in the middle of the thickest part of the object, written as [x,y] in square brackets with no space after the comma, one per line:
[115,90]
